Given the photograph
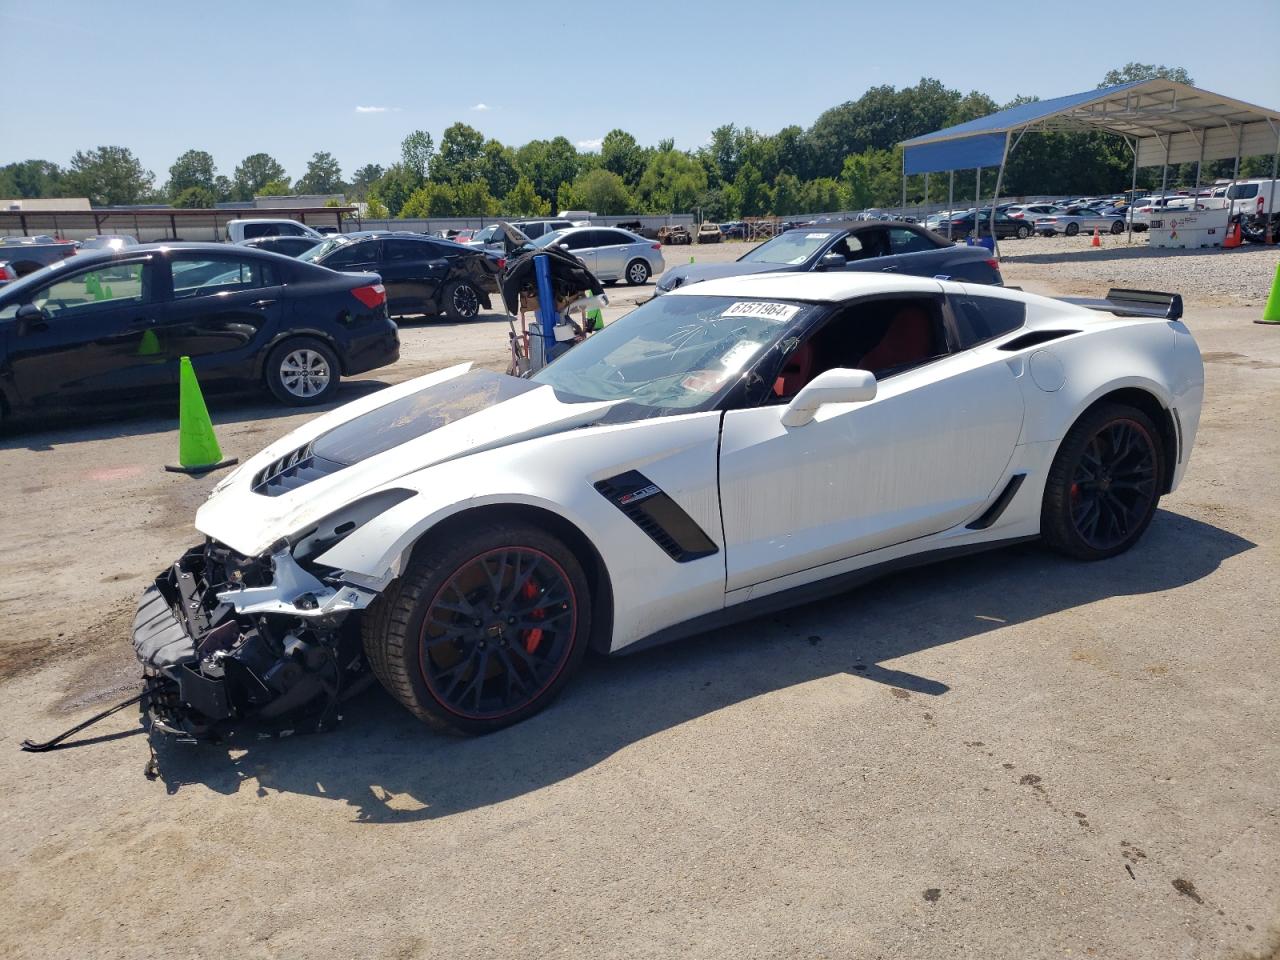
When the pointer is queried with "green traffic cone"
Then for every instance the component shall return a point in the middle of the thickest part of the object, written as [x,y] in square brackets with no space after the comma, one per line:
[198,450]
[1271,312]
[149,345]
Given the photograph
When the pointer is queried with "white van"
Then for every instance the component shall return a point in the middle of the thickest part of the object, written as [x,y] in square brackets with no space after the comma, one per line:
[238,230]
[1254,197]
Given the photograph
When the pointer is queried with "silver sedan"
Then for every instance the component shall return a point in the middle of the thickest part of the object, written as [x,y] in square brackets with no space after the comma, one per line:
[1073,222]
[609,252]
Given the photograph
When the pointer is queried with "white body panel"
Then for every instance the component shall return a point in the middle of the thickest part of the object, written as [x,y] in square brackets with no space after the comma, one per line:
[858,485]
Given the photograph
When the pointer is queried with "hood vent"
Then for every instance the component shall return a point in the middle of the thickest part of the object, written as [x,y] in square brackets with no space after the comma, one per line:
[291,471]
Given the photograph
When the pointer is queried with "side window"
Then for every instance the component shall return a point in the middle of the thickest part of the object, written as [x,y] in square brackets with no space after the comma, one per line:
[252,230]
[982,318]
[210,276]
[533,230]
[290,230]
[849,247]
[351,254]
[581,240]
[401,251]
[902,240]
[616,238]
[92,290]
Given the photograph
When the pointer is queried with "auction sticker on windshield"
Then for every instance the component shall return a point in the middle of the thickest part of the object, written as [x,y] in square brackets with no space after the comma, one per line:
[778,312]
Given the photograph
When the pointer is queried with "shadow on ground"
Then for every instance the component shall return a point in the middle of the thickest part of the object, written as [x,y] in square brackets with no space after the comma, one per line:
[390,768]
[1139,251]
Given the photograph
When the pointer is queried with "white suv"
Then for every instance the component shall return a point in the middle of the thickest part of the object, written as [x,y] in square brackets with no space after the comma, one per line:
[238,230]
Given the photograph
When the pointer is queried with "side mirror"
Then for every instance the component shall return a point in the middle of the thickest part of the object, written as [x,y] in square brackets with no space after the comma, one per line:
[563,246]
[832,261]
[29,317]
[831,386]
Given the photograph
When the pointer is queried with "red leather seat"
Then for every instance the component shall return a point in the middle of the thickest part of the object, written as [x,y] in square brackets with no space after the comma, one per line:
[909,339]
[796,372]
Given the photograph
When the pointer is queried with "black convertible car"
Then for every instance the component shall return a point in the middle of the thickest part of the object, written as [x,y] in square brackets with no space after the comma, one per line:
[114,324]
[888,246]
[423,275]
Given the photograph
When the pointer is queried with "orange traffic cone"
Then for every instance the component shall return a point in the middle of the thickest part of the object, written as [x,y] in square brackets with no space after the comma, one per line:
[1097,240]
[1233,238]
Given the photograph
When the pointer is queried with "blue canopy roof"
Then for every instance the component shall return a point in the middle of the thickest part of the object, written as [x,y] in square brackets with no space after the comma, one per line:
[1163,116]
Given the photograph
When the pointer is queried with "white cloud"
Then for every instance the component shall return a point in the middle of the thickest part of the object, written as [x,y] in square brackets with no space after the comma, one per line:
[482,107]
[591,144]
[377,109]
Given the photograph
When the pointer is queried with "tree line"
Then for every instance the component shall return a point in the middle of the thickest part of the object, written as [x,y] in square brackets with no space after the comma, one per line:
[847,159]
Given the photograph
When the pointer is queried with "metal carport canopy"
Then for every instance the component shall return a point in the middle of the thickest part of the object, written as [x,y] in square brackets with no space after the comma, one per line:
[1170,122]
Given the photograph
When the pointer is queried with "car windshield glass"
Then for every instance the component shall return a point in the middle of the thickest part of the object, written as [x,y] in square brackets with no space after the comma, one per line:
[679,353]
[548,238]
[792,247]
[320,249]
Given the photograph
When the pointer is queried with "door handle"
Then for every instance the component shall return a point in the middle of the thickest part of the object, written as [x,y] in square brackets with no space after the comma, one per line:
[889,269]
[262,303]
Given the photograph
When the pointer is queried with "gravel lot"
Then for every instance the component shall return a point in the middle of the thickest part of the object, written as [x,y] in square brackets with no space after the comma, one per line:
[1004,756]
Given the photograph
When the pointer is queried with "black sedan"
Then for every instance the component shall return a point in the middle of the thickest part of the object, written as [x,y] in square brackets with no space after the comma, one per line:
[423,274]
[288,245]
[113,325]
[1006,226]
[861,245]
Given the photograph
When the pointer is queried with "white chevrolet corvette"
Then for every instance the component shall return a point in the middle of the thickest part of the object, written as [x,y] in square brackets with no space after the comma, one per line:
[727,449]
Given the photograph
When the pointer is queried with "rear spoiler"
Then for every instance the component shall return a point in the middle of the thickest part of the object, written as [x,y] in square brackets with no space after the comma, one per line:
[1134,303]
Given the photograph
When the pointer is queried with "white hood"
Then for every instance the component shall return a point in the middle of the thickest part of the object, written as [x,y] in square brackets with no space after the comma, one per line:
[366,445]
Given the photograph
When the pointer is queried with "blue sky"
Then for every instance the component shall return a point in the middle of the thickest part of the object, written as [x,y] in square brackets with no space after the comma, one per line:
[291,77]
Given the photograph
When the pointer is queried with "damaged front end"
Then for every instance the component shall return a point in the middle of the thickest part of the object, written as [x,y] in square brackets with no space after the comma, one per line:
[224,638]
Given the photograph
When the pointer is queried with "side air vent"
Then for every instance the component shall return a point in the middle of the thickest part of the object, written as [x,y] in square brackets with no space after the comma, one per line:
[660,517]
[1035,337]
[993,512]
[291,471]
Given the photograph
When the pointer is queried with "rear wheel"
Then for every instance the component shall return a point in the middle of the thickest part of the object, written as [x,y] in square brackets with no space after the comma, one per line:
[483,632]
[461,301]
[1023,231]
[1104,484]
[1117,227]
[302,371]
[1072,229]
[637,272]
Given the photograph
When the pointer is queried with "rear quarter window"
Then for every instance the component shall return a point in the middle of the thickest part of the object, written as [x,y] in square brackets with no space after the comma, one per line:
[979,319]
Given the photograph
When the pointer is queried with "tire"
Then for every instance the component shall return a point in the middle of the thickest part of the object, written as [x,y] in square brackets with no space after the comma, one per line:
[637,272]
[423,643]
[1072,229]
[461,301]
[1023,231]
[1101,493]
[302,371]
[1117,227]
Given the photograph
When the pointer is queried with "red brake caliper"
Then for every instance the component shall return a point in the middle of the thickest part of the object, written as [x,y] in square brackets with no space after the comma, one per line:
[533,637]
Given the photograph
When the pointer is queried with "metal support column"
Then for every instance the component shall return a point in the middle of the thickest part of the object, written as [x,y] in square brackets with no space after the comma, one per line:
[951,199]
[1133,185]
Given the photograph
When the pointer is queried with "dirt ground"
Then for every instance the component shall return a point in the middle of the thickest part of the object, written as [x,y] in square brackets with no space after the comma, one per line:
[1004,756]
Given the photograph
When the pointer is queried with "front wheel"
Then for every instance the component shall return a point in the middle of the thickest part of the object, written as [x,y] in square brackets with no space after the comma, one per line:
[1104,484]
[483,630]
[461,301]
[1117,227]
[1023,231]
[637,273]
[302,371]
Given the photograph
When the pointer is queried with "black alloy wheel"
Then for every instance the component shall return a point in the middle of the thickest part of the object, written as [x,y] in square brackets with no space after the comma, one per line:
[461,301]
[1104,484]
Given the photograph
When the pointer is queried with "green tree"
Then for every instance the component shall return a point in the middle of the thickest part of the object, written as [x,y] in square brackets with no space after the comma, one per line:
[1144,71]
[474,199]
[35,178]
[201,197]
[620,154]
[323,175]
[395,187]
[110,175]
[788,195]
[415,153]
[600,191]
[375,209]
[461,155]
[498,167]
[364,178]
[672,182]
[547,164]
[193,169]
[754,193]
[431,200]
[523,201]
[256,171]
[275,188]
[223,188]
[822,195]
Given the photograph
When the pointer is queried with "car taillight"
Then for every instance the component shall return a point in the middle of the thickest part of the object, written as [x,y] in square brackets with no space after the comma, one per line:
[994,264]
[655,246]
[374,295]
[502,263]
